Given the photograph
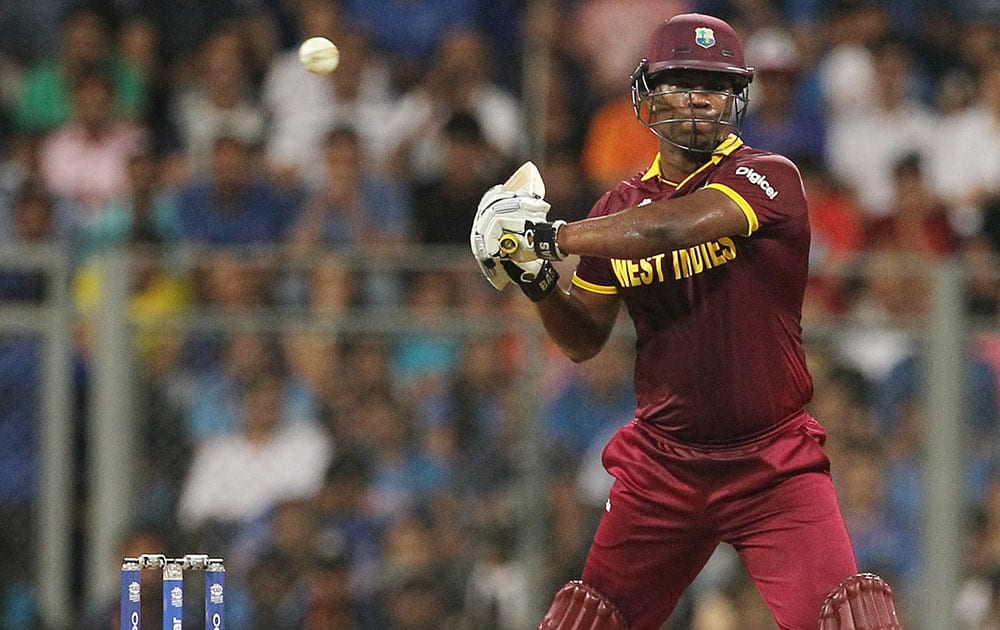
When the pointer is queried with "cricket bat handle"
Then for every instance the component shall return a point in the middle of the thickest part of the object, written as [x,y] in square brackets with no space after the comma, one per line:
[508,244]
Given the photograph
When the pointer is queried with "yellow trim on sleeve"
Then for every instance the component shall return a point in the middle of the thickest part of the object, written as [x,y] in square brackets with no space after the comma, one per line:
[742,203]
[594,288]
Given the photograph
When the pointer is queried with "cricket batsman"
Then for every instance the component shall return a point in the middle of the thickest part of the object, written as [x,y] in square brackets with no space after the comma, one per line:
[708,251]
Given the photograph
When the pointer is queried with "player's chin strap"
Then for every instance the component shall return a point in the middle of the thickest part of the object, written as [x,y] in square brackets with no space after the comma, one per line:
[861,602]
[579,606]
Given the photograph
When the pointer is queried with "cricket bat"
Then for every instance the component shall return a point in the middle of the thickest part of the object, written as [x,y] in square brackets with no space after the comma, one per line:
[525,179]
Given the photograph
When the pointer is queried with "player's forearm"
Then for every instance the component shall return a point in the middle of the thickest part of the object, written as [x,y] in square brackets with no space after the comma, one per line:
[577,333]
[658,227]
[614,236]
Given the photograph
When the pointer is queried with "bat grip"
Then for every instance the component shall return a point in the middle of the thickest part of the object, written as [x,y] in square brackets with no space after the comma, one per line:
[508,244]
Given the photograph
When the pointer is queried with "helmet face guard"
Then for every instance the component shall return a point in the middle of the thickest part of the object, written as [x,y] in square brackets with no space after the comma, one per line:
[681,128]
[684,48]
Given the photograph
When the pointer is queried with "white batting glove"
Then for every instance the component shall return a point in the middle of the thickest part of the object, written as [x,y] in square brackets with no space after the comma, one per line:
[487,263]
[490,267]
[487,250]
[512,214]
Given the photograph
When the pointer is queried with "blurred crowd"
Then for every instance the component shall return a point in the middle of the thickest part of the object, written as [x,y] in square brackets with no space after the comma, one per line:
[371,481]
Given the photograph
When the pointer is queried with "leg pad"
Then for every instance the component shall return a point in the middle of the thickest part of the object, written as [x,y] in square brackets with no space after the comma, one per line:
[578,606]
[861,602]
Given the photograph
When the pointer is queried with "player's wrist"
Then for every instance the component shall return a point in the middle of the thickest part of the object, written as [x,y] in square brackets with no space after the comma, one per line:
[535,285]
[546,240]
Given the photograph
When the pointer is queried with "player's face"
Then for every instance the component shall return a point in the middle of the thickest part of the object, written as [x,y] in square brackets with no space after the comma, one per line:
[690,108]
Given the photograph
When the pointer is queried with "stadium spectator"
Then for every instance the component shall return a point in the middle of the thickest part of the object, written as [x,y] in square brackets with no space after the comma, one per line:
[615,148]
[84,160]
[838,239]
[865,142]
[895,402]
[414,593]
[565,121]
[353,208]
[346,521]
[368,374]
[233,203]
[315,361]
[965,182]
[845,70]
[884,540]
[350,207]
[139,539]
[34,223]
[215,406]
[598,394]
[403,476]
[424,360]
[20,169]
[220,101]
[143,212]
[441,205]
[461,80]
[86,45]
[276,594]
[918,220]
[235,478]
[302,107]
[890,290]
[141,45]
[484,432]
[498,587]
[331,601]
[568,189]
[608,35]
[20,393]
[409,33]
[782,116]
[978,605]
[21,407]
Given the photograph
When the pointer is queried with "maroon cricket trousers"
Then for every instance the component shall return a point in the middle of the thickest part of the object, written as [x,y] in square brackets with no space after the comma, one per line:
[671,504]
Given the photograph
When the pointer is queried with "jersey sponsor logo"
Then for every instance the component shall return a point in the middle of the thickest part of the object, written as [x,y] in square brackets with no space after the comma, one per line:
[704,37]
[758,179]
[683,263]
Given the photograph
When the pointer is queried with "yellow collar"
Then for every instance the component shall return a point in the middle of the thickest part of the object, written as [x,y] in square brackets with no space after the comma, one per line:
[727,146]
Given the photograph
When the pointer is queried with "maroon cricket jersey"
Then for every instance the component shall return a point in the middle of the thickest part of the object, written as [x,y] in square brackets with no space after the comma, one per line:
[719,347]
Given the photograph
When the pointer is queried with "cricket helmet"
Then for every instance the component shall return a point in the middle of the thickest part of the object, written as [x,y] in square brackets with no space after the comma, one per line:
[691,42]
